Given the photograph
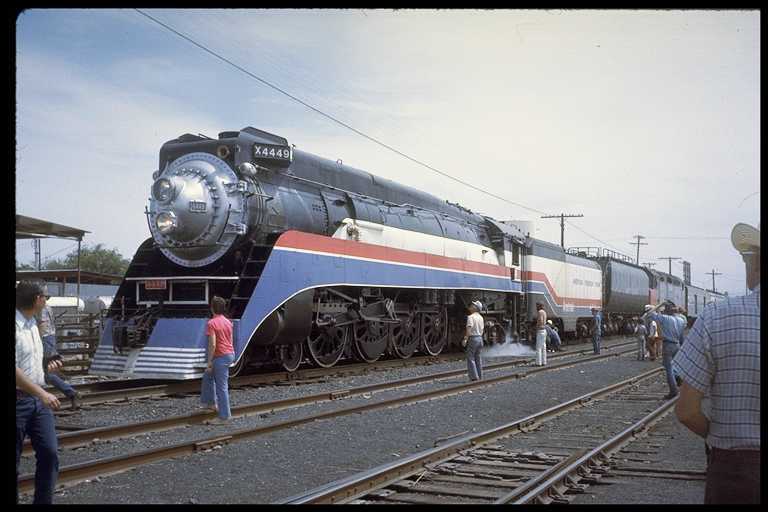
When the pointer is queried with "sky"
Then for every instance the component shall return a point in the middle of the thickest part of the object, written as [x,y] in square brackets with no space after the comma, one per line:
[646,122]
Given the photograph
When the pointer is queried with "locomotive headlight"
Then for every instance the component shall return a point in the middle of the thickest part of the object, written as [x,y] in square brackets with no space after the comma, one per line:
[162,190]
[166,222]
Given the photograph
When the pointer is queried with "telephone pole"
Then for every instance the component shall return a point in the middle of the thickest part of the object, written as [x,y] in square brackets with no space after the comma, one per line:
[638,244]
[669,258]
[562,224]
[713,273]
[648,264]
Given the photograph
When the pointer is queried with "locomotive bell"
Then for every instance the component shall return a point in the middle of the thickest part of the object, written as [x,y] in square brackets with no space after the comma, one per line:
[197,209]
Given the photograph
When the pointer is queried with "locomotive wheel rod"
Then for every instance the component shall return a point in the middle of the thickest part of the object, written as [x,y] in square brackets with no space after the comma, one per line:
[355,486]
[84,437]
[75,473]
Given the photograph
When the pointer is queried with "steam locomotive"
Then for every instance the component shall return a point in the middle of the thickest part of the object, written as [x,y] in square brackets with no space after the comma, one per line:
[320,261]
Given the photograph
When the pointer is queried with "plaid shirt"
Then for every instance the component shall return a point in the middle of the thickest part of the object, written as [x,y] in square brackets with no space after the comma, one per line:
[721,358]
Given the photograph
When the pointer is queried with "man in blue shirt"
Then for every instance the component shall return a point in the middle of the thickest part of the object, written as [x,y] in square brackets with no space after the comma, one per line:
[597,318]
[672,331]
[554,338]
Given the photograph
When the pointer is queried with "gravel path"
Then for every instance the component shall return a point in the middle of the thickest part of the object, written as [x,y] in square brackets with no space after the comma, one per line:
[277,465]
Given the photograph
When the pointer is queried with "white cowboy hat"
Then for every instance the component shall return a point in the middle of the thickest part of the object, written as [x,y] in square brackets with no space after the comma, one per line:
[745,237]
[478,305]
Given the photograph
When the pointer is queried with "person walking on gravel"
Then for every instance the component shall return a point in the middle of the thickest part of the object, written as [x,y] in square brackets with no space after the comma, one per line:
[721,359]
[221,354]
[34,405]
[541,335]
[597,333]
[473,340]
[46,324]
[640,332]
[672,332]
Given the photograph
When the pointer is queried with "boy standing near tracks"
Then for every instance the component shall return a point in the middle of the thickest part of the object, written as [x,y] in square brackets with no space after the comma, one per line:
[473,340]
[221,354]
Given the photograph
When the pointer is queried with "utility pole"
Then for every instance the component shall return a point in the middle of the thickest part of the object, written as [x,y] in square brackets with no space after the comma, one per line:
[713,273]
[562,224]
[638,244]
[669,258]
[648,264]
[36,245]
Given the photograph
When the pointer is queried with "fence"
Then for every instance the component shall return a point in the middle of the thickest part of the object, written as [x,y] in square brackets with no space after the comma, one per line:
[77,337]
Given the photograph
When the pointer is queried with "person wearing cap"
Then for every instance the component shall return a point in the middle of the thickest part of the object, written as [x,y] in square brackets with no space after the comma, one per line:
[672,337]
[654,338]
[721,359]
[552,336]
[640,332]
[597,332]
[46,324]
[473,340]
[541,335]
[34,405]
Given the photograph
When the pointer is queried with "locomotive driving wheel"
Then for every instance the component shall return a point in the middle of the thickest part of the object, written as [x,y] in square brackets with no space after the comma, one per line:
[405,336]
[370,340]
[325,345]
[291,356]
[434,332]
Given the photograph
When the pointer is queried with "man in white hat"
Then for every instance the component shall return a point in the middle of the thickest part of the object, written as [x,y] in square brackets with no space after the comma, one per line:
[541,335]
[473,340]
[721,359]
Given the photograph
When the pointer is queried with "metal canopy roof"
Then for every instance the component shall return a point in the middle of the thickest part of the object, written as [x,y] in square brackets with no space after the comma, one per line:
[66,274]
[29,227]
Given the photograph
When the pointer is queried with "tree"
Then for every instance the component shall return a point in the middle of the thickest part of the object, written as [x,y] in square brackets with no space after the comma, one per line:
[23,266]
[93,259]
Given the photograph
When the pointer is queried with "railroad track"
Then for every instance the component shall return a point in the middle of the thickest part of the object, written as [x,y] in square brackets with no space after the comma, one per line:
[84,437]
[133,389]
[73,474]
[536,467]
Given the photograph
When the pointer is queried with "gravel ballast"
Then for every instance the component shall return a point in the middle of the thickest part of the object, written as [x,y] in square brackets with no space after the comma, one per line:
[274,466]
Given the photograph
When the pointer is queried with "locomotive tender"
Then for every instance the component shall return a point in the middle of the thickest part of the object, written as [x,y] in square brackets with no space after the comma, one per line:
[322,261]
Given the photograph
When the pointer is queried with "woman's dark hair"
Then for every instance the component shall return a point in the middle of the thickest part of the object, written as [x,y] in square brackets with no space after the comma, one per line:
[218,305]
[27,292]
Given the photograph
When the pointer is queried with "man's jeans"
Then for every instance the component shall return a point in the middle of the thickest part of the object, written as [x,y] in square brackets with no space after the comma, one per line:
[36,420]
[670,349]
[218,378]
[596,341]
[474,358]
[641,347]
[541,347]
[52,378]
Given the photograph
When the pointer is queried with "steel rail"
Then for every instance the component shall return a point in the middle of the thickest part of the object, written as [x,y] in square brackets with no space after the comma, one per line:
[131,391]
[84,437]
[100,467]
[118,393]
[555,482]
[352,487]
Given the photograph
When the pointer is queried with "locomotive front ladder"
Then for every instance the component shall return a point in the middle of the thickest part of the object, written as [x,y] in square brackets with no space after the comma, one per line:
[258,254]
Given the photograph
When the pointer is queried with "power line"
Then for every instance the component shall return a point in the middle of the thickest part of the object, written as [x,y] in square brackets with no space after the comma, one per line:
[669,258]
[354,130]
[330,117]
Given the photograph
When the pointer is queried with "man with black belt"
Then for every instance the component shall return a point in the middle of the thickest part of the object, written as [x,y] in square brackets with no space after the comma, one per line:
[672,331]
[721,359]
[34,415]
[473,340]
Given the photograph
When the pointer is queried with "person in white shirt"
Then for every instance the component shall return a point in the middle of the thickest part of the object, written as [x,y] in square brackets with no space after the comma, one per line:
[473,340]
[34,405]
[541,335]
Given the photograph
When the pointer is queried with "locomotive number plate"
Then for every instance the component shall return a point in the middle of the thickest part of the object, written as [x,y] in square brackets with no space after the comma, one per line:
[154,284]
[197,206]
[272,152]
